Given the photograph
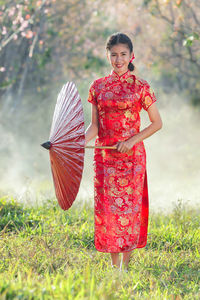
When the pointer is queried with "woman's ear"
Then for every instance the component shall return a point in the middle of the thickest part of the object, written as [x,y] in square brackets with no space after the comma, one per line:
[107,55]
[131,55]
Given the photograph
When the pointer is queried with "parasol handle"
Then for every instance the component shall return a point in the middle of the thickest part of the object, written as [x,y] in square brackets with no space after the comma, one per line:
[101,147]
[47,145]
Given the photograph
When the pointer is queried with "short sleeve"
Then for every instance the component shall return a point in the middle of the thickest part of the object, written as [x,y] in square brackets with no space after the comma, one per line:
[148,97]
[92,95]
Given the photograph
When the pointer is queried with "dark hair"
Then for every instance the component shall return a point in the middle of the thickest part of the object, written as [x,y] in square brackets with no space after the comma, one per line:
[120,38]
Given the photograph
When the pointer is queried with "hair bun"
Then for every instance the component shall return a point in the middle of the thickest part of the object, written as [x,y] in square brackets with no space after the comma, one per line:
[131,66]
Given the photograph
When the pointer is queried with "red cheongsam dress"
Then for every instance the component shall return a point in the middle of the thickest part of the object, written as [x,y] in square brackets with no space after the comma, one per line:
[120,182]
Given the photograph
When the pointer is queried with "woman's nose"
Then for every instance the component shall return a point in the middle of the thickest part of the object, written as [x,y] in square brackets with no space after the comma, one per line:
[118,59]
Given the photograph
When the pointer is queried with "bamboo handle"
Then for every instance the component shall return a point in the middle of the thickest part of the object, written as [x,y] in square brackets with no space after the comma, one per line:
[101,147]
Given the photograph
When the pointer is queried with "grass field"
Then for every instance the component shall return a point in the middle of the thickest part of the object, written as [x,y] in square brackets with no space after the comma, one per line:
[46,253]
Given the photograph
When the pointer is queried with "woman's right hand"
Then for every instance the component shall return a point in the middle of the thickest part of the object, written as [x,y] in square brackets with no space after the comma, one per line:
[125,146]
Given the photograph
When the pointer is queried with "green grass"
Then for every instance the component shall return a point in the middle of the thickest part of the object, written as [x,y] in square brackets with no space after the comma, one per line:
[46,253]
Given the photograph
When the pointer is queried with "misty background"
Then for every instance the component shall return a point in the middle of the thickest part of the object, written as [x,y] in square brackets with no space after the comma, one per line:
[44,44]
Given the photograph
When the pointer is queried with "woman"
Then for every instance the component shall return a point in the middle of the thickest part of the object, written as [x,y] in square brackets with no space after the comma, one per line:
[120,183]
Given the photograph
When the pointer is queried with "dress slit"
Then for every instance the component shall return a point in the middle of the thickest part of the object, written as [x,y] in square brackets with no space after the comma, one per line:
[144,215]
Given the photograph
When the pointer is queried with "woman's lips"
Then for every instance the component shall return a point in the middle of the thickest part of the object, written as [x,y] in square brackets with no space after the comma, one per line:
[118,66]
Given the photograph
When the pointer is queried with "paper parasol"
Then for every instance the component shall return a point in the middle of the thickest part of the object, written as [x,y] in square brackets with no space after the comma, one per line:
[67,145]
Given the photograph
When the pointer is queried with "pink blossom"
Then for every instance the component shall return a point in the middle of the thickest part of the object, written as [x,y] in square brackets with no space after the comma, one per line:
[2,69]
[29,34]
[38,3]
[4,31]
[11,12]
[15,21]
[24,25]
[15,37]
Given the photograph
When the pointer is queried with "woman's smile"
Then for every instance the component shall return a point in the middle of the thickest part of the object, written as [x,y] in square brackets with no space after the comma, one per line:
[119,65]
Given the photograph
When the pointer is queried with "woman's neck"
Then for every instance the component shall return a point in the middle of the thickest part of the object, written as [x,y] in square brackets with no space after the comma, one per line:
[120,73]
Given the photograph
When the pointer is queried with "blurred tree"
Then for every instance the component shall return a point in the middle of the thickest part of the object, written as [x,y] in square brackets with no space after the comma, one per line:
[179,52]
[42,41]
[23,27]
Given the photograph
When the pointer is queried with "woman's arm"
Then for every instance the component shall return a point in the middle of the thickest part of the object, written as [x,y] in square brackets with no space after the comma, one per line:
[156,124]
[92,129]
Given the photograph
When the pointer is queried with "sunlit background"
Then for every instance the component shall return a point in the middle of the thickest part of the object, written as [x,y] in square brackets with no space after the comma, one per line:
[44,44]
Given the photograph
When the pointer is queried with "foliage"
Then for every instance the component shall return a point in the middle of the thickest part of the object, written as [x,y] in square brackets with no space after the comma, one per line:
[179,54]
[22,41]
[56,259]
[40,40]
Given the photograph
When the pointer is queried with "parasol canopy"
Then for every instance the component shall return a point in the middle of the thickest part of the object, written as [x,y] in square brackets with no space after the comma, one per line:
[66,145]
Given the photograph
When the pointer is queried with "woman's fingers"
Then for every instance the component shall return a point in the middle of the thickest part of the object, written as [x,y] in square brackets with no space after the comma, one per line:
[121,147]
[124,146]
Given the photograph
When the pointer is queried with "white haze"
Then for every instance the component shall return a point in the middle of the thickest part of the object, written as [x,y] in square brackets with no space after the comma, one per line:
[173,161]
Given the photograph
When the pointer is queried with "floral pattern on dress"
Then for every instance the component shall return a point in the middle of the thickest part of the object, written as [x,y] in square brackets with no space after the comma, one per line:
[120,183]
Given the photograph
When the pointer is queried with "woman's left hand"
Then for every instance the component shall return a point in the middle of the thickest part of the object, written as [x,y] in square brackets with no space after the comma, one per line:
[125,146]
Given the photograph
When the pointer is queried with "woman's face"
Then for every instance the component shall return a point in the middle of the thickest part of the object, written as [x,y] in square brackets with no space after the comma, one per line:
[119,57]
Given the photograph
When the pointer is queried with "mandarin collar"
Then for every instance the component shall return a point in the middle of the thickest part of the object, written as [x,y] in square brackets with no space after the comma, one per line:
[122,77]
